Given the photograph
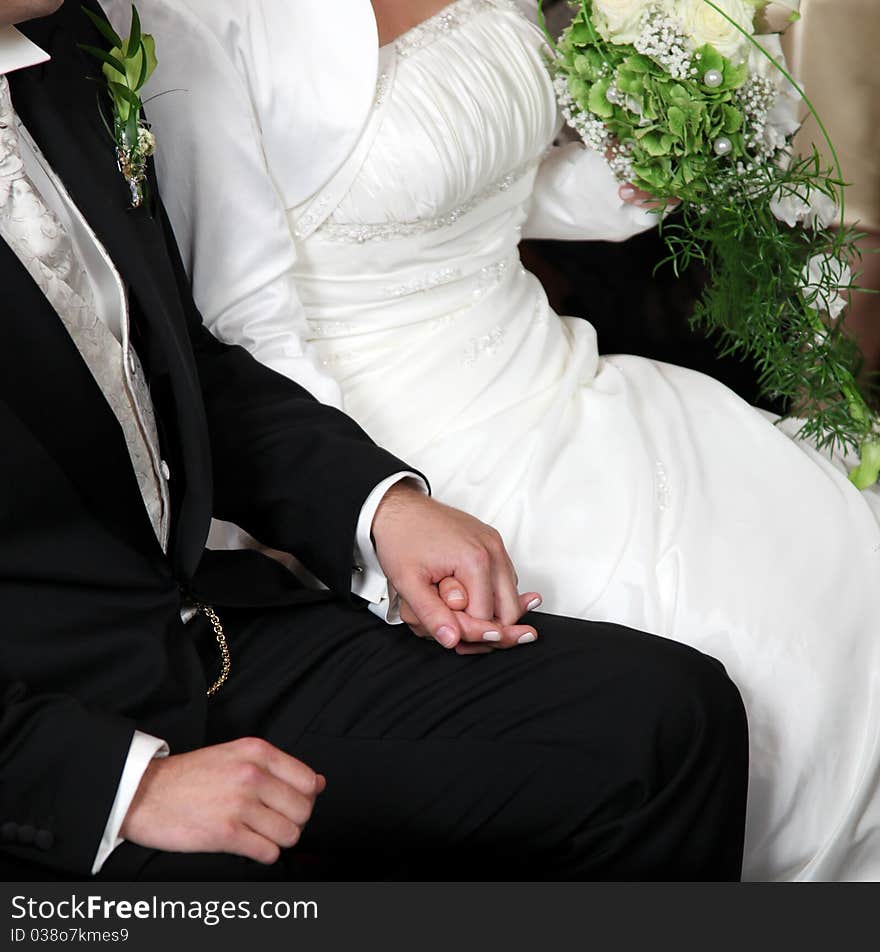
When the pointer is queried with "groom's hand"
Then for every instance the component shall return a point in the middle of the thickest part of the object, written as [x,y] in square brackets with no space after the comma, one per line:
[246,797]
[420,542]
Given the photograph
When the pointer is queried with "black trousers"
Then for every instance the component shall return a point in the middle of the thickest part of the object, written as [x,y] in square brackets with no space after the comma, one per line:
[598,753]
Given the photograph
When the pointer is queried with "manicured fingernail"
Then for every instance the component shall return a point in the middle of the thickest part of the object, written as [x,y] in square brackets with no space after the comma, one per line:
[447,637]
[627,191]
[456,595]
[492,636]
[534,603]
[527,639]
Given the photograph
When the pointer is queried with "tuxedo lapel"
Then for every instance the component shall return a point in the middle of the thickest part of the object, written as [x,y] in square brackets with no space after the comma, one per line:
[58,103]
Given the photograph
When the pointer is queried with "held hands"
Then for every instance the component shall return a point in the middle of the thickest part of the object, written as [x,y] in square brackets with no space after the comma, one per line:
[245,797]
[476,639]
[453,574]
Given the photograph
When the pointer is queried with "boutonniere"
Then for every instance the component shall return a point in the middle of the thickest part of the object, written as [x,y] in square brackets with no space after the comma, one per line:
[126,67]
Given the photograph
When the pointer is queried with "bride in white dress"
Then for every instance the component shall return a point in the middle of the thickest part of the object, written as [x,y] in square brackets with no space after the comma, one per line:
[352,215]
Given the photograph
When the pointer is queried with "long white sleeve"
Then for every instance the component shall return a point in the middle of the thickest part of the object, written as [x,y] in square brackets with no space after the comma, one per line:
[228,217]
[576,199]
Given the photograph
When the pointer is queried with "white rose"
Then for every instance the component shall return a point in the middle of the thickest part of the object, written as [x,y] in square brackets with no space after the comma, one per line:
[703,24]
[618,20]
[823,280]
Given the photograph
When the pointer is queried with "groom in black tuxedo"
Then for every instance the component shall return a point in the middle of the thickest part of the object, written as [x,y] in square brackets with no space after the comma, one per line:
[595,753]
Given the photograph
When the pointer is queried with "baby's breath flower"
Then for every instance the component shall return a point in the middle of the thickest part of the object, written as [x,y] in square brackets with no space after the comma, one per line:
[661,36]
[146,141]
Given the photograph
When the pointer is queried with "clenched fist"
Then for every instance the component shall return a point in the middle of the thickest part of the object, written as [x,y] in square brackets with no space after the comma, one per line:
[246,797]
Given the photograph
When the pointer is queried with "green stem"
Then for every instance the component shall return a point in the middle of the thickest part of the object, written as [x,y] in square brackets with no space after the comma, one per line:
[800,91]
[594,36]
[867,472]
[542,22]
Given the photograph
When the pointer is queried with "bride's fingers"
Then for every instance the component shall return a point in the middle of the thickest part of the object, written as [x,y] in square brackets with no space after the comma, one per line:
[636,196]
[632,195]
[468,649]
[480,636]
[493,633]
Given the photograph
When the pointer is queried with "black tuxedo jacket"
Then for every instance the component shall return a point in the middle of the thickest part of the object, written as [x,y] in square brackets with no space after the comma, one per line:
[91,642]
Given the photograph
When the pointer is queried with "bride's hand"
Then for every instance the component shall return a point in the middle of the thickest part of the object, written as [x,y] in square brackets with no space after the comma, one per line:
[636,196]
[453,593]
[474,630]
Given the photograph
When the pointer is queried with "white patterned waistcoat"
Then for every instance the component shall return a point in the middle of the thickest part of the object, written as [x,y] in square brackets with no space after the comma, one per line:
[40,241]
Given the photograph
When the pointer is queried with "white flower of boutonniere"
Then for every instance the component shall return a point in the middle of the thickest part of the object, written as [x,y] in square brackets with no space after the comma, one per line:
[127,67]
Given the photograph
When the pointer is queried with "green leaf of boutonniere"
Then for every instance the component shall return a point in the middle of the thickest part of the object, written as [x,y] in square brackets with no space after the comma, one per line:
[126,67]
[134,38]
[103,27]
[107,58]
[137,64]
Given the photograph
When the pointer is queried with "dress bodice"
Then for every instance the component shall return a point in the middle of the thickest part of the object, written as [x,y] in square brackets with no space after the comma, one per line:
[429,216]
[470,106]
[419,215]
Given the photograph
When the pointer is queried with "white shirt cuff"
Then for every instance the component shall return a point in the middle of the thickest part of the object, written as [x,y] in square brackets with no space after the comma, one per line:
[367,578]
[144,747]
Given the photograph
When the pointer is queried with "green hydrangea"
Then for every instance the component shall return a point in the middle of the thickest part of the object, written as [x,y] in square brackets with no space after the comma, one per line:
[669,125]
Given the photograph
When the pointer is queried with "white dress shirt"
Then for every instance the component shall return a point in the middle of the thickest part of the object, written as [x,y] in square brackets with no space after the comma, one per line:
[368,579]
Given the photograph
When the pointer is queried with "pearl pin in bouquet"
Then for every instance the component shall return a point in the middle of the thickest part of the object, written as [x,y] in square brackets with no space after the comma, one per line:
[691,100]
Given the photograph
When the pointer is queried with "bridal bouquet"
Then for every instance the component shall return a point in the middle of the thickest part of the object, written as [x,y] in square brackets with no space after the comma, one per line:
[691,100]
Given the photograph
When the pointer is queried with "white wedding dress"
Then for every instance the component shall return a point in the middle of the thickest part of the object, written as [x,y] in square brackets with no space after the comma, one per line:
[626,490]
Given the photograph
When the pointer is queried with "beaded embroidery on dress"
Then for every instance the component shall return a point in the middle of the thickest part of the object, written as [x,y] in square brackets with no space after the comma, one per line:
[450,18]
